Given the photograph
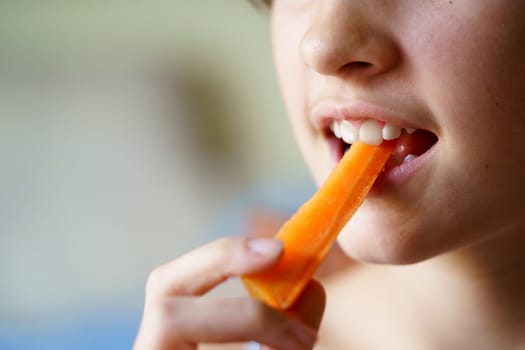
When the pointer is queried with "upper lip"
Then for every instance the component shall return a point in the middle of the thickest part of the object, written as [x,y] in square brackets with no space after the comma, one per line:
[324,111]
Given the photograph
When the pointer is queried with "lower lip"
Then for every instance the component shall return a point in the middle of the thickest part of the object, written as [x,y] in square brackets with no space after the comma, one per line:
[394,177]
[400,174]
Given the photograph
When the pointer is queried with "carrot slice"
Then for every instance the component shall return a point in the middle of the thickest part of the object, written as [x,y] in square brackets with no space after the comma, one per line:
[311,231]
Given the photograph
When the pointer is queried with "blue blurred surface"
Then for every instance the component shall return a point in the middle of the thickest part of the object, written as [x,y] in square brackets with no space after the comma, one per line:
[106,325]
[96,329]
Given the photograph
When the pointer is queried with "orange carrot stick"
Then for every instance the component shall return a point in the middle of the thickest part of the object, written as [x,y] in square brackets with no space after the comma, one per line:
[311,231]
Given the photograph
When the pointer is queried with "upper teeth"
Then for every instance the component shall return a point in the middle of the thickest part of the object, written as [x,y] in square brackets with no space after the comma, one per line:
[391,132]
[370,131]
[348,132]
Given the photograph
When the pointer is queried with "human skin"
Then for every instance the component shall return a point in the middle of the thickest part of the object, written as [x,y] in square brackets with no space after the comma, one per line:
[448,235]
[176,317]
[451,67]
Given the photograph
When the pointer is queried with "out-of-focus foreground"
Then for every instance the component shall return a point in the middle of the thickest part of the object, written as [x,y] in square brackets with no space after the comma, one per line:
[130,132]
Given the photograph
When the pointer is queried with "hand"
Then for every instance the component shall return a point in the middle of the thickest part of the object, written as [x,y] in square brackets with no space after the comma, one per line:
[176,317]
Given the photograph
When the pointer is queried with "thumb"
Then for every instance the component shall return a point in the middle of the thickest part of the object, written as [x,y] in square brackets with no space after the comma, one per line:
[309,308]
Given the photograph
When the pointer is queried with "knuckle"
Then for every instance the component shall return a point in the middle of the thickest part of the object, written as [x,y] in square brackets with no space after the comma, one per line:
[164,320]
[154,282]
[226,243]
[227,254]
[263,317]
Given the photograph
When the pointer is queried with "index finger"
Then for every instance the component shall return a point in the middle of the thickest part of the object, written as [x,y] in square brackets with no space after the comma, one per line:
[198,271]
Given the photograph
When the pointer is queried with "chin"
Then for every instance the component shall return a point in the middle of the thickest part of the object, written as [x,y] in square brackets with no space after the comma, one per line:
[374,241]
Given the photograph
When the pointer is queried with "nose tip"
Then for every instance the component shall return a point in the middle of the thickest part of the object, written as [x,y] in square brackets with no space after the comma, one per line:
[332,49]
[319,56]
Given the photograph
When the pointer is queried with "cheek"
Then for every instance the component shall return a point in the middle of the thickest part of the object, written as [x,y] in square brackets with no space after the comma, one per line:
[472,84]
[293,78]
[471,69]
[283,56]
[286,38]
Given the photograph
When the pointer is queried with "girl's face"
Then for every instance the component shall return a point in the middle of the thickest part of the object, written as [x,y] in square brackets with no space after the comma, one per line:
[454,70]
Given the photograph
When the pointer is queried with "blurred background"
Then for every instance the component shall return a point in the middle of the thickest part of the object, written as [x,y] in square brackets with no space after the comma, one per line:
[130,132]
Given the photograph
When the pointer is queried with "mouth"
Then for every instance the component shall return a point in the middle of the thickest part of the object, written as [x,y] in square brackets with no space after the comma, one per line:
[411,144]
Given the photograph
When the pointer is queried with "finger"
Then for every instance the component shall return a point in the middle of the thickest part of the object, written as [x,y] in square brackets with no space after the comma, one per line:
[191,321]
[309,308]
[196,272]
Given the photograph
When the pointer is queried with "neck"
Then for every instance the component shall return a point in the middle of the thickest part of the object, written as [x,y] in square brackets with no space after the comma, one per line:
[479,290]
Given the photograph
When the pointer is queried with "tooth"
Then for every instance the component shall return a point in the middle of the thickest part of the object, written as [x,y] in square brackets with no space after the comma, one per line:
[409,157]
[370,133]
[348,132]
[391,132]
[336,128]
[410,130]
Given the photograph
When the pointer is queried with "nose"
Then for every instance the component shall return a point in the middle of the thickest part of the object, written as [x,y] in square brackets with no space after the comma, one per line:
[341,41]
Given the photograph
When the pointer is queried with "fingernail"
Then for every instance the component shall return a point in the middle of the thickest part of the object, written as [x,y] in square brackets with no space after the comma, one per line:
[265,246]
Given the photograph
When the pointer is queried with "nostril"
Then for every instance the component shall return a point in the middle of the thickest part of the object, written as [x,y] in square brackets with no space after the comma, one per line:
[362,64]
[357,65]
